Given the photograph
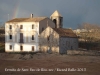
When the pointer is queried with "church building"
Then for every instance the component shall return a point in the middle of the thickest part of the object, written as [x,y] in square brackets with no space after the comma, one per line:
[39,34]
[58,39]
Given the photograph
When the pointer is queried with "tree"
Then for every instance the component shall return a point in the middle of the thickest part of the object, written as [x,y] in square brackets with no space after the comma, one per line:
[89,34]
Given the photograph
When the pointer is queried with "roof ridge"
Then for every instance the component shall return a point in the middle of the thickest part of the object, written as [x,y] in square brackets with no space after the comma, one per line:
[34,19]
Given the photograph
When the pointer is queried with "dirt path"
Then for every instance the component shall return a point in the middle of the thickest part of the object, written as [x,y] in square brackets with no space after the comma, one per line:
[50,64]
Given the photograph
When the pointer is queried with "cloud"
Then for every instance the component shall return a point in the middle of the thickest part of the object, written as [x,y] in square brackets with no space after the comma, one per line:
[74,11]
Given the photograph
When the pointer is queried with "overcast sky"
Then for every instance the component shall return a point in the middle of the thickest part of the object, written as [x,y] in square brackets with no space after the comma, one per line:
[74,12]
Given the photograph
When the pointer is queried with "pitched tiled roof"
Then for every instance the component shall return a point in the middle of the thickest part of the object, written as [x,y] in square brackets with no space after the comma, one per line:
[34,19]
[65,32]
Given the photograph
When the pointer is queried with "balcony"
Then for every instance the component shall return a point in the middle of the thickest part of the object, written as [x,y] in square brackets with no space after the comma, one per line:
[21,41]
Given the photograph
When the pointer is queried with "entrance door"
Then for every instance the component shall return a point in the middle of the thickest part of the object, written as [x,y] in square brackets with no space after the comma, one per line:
[32,48]
[21,37]
[49,50]
[21,48]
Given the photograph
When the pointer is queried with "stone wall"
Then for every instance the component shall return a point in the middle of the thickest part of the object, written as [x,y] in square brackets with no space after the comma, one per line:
[49,40]
[68,43]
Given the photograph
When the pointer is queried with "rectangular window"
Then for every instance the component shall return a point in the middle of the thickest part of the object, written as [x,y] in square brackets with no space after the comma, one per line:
[10,27]
[10,47]
[21,48]
[32,37]
[10,36]
[21,26]
[32,26]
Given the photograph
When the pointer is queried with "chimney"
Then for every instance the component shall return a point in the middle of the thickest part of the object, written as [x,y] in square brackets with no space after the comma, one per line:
[31,15]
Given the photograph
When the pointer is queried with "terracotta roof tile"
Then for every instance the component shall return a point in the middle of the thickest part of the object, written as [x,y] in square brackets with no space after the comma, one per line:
[34,19]
[65,32]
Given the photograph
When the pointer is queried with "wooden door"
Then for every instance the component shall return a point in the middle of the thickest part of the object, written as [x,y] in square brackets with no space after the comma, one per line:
[32,48]
[21,48]
[21,37]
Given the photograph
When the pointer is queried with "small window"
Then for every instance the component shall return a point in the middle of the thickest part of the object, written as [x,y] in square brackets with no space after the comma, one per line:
[42,29]
[10,36]
[10,27]
[32,48]
[32,26]
[21,48]
[21,26]
[32,37]
[10,47]
[48,38]
[55,22]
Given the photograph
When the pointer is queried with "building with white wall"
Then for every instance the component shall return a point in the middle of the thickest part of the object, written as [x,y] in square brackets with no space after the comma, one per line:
[21,34]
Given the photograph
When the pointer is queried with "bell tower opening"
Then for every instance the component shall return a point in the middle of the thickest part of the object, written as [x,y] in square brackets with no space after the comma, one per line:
[54,20]
[60,22]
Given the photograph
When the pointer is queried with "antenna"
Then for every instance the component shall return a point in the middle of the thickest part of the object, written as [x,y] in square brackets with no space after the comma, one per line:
[47,23]
[8,17]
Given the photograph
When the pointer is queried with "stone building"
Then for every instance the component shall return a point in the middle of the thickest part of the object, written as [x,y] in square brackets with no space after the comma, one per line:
[58,40]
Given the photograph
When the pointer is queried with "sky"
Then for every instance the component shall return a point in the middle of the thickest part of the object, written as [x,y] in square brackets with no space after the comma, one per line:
[74,12]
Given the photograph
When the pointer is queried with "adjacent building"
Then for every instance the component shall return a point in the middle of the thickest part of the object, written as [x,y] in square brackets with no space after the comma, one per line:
[58,40]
